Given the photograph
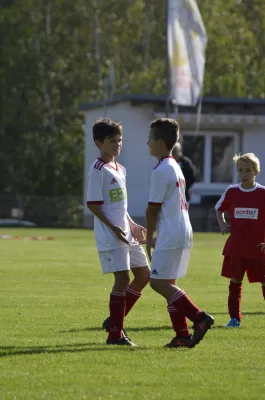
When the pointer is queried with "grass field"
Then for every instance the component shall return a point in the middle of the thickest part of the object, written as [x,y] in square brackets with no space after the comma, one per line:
[54,298]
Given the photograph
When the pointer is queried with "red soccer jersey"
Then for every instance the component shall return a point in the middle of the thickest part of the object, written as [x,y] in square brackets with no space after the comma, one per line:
[246,209]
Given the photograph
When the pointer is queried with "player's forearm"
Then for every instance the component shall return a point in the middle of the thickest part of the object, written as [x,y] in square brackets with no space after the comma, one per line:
[97,211]
[131,221]
[151,219]
[220,217]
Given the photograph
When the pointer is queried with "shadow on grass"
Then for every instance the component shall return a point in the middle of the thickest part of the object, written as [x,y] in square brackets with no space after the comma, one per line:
[66,348]
[244,313]
[142,329]
[154,328]
[87,329]
[222,327]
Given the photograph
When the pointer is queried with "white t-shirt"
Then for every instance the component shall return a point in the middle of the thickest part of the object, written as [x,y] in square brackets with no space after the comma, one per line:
[107,187]
[167,187]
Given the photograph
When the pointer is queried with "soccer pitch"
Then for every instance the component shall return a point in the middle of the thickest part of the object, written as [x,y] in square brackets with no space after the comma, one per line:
[54,299]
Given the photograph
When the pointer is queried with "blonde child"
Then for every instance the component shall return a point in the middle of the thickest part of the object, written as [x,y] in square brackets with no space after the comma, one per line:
[244,250]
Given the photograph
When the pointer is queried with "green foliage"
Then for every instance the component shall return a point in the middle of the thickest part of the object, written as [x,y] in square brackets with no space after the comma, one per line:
[236,48]
[55,54]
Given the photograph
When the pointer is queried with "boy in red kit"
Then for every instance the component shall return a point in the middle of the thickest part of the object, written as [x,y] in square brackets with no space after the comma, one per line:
[117,235]
[244,250]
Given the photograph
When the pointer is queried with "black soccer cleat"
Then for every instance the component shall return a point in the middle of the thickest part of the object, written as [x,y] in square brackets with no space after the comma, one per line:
[200,329]
[123,341]
[179,341]
[106,326]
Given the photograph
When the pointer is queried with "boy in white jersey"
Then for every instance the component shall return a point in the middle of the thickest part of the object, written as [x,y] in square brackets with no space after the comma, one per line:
[167,213]
[117,235]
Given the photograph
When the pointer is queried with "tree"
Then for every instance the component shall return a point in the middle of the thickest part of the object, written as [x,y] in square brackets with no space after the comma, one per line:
[56,54]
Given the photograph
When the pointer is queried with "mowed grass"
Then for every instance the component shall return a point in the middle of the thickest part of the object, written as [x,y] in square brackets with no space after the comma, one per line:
[54,299]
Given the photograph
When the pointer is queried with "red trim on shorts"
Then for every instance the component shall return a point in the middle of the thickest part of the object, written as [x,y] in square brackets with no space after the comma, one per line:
[151,203]
[95,202]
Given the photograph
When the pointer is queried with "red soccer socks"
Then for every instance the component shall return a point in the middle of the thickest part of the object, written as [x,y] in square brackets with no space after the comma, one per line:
[131,298]
[179,322]
[234,300]
[117,311]
[183,303]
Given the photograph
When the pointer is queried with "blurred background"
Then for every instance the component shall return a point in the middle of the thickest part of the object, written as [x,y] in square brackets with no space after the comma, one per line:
[65,63]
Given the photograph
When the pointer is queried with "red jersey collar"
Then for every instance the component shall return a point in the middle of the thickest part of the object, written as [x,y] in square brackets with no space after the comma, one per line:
[161,159]
[116,164]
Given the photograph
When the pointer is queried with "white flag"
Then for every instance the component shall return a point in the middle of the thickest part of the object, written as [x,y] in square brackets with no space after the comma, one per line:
[187,40]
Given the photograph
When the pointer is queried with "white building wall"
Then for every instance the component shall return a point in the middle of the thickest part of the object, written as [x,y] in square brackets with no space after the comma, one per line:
[136,158]
[254,142]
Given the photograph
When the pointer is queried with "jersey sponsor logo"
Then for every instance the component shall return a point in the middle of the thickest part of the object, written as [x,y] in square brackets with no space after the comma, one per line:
[118,194]
[246,213]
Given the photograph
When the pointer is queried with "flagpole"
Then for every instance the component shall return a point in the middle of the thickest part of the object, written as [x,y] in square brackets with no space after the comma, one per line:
[198,116]
[106,97]
[109,88]
[167,64]
[169,97]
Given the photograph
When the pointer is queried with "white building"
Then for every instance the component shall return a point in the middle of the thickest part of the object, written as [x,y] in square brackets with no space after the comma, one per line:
[228,126]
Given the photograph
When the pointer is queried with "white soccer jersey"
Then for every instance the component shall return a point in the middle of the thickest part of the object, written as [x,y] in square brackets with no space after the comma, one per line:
[107,187]
[167,187]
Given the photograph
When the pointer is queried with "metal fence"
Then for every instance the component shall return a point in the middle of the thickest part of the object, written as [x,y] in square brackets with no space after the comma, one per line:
[68,212]
[43,211]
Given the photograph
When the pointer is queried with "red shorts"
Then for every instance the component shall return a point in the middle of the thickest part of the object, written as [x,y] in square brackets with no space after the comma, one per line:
[236,268]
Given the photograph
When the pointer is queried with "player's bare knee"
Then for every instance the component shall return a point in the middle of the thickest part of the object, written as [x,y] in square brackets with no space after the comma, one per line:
[154,285]
[141,275]
[126,280]
[146,275]
[122,280]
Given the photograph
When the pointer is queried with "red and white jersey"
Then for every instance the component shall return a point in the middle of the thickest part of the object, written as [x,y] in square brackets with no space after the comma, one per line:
[246,209]
[167,188]
[107,187]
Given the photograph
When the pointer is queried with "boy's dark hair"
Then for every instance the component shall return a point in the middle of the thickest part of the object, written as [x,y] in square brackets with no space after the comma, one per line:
[105,127]
[166,129]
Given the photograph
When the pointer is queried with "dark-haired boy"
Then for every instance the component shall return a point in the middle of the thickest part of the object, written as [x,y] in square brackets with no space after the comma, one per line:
[117,235]
[167,214]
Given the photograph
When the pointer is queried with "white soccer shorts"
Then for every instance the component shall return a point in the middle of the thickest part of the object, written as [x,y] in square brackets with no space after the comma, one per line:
[170,264]
[122,259]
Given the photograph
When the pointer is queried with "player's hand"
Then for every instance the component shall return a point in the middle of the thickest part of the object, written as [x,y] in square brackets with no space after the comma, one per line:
[148,250]
[261,246]
[139,233]
[150,244]
[225,228]
[119,233]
